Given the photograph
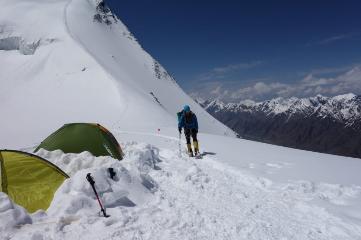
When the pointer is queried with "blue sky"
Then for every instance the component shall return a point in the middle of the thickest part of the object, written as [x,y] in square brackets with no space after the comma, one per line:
[251,49]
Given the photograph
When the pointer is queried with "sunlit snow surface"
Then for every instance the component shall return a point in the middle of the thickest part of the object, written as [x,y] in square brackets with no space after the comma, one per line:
[82,71]
[160,194]
[64,67]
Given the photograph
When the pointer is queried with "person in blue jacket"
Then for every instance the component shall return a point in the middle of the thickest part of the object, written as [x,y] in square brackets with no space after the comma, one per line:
[188,120]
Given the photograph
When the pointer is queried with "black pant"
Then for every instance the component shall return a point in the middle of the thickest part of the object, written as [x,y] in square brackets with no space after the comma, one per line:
[190,132]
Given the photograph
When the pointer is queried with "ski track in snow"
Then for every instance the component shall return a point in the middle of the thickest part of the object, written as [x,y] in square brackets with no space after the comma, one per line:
[194,199]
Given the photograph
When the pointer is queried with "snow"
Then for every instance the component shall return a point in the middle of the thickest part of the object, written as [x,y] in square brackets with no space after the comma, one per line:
[347,97]
[158,195]
[248,103]
[86,71]
[16,43]
[343,108]
[82,71]
[11,214]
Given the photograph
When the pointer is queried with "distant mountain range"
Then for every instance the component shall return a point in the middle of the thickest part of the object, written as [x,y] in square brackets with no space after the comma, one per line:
[322,124]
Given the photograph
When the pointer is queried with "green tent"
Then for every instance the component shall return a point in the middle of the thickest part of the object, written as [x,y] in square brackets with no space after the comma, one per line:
[30,181]
[80,137]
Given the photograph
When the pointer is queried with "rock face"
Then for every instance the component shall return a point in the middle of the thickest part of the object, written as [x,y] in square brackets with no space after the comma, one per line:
[321,124]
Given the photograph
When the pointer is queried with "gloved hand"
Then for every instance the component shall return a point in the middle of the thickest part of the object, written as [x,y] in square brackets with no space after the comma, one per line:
[180,130]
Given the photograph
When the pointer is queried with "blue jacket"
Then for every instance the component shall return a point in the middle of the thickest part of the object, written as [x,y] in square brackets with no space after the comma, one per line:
[188,122]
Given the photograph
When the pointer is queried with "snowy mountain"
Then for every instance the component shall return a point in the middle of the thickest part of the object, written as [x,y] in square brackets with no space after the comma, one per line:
[323,124]
[80,65]
[74,61]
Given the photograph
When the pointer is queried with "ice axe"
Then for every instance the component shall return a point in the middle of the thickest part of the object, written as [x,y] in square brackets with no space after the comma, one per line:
[92,183]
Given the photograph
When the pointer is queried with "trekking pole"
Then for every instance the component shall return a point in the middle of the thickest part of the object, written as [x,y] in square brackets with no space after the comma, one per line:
[92,182]
[179,145]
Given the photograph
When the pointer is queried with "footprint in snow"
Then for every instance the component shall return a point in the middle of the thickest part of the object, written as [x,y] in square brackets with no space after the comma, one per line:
[196,176]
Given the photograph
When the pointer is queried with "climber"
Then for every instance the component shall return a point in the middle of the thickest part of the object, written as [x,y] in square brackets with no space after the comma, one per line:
[188,120]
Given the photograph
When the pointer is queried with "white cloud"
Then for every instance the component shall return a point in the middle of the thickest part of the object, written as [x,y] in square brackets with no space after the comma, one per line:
[217,90]
[335,70]
[223,71]
[310,85]
[333,39]
[235,67]
[259,90]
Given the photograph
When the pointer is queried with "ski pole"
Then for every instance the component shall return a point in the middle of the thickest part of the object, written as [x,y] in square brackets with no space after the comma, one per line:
[179,145]
[92,183]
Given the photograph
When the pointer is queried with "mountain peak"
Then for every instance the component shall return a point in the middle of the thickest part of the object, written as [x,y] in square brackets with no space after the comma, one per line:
[346,97]
[344,107]
[80,63]
[320,123]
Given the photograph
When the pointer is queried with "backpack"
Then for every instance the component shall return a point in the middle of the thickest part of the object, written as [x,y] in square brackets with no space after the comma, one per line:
[179,115]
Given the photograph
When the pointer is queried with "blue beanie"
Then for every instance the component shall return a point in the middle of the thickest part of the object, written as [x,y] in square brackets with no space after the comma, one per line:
[186,108]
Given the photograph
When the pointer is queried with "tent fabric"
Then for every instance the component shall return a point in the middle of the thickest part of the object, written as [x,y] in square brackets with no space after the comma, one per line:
[80,137]
[30,181]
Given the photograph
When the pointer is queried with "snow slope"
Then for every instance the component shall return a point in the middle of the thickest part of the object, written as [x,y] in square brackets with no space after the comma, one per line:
[80,70]
[61,66]
[158,194]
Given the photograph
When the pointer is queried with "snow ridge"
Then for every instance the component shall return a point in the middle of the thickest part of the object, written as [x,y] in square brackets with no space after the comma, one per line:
[344,108]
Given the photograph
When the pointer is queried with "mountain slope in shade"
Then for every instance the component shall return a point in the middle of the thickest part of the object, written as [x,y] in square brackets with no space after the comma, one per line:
[322,124]
[74,61]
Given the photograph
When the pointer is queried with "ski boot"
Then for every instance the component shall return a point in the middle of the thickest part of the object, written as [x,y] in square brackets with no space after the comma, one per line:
[190,151]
